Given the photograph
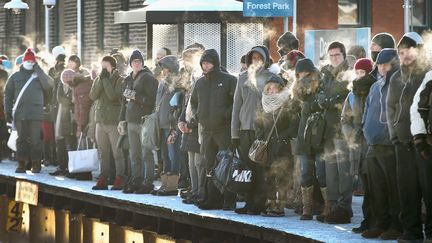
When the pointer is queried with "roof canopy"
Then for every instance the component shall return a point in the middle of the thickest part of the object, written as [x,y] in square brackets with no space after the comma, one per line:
[169,11]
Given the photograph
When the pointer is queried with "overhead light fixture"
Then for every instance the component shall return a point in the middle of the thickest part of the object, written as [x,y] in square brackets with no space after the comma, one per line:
[16,6]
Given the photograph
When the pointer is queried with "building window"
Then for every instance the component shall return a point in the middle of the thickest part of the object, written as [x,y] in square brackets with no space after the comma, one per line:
[354,13]
[419,14]
[348,12]
[421,18]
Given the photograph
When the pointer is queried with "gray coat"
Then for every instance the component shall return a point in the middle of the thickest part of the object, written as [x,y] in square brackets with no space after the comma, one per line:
[30,106]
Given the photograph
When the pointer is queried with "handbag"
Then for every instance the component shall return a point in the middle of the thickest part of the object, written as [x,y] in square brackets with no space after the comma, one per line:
[150,130]
[85,160]
[258,150]
[223,170]
[240,180]
[14,133]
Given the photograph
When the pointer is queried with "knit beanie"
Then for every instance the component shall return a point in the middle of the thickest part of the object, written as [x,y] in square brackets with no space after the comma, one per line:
[364,64]
[67,76]
[288,41]
[29,55]
[136,54]
[305,65]
[386,55]
[384,40]
[169,62]
[291,59]
[58,50]
[111,60]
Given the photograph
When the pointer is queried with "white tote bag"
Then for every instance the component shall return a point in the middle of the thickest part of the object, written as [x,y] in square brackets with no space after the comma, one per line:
[12,140]
[85,160]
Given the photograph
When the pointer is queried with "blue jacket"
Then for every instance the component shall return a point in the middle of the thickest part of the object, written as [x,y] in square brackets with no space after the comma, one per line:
[375,127]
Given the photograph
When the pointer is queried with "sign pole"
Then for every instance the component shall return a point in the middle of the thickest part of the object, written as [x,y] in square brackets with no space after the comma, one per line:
[294,17]
[286,24]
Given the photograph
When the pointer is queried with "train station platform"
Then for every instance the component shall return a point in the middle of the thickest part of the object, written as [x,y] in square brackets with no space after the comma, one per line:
[167,215]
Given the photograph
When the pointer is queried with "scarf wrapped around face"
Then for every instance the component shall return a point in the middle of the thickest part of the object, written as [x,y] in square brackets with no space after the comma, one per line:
[272,102]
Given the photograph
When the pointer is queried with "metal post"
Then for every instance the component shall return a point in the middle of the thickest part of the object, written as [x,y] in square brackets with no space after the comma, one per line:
[47,30]
[79,28]
[294,31]
[407,15]
[285,24]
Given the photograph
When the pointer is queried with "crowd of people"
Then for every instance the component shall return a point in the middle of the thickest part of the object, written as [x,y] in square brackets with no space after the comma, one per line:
[356,126]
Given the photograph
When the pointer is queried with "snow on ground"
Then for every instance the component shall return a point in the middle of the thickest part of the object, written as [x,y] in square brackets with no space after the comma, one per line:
[289,224]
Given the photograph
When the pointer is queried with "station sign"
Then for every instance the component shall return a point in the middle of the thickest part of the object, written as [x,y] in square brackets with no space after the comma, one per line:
[268,8]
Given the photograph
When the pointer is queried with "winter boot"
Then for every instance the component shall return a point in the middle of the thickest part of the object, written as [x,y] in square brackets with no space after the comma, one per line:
[164,180]
[270,208]
[36,167]
[21,168]
[171,186]
[118,183]
[101,184]
[322,216]
[307,193]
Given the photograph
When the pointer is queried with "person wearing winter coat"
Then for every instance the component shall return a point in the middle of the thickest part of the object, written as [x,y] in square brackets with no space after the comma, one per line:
[27,114]
[51,108]
[380,157]
[189,130]
[65,125]
[380,41]
[168,99]
[413,167]
[308,148]
[107,91]
[278,110]
[247,101]
[352,114]
[4,134]
[139,95]
[331,98]
[211,103]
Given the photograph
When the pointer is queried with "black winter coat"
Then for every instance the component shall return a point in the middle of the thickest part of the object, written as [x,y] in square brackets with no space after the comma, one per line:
[212,96]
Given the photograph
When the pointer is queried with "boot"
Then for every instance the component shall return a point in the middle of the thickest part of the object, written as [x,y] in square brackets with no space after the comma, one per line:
[118,183]
[307,203]
[171,186]
[36,167]
[164,180]
[270,208]
[101,184]
[21,168]
[322,216]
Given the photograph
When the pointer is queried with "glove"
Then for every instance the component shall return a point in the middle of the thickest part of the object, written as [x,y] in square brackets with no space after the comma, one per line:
[122,128]
[422,147]
[104,74]
[8,117]
[235,143]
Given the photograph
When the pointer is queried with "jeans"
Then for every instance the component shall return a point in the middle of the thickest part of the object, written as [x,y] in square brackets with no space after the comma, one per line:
[312,166]
[170,153]
[141,159]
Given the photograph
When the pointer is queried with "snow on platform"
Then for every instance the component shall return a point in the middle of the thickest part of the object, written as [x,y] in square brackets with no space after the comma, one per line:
[289,224]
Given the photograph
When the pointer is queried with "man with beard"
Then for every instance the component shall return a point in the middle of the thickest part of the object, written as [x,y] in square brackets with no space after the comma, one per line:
[411,167]
[211,103]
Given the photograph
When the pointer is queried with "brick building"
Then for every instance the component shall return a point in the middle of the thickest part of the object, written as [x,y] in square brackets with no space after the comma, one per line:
[100,34]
